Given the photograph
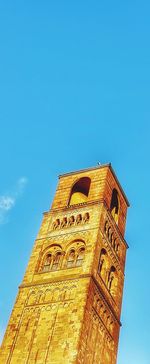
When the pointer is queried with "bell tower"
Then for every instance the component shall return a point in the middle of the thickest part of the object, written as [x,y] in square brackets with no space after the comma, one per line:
[69,303]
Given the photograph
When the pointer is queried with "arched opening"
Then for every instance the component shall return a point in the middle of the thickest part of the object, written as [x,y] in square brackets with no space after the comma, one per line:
[47,263]
[56,224]
[51,258]
[64,222]
[80,257]
[111,238]
[109,232]
[106,227]
[71,259]
[102,263]
[111,276]
[80,191]
[78,219]
[86,217]
[71,220]
[56,261]
[114,206]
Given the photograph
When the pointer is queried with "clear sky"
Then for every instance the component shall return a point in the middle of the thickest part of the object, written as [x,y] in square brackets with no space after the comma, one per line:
[75,90]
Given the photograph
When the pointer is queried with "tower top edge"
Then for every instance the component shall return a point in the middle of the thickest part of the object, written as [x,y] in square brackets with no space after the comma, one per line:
[106,165]
[85,169]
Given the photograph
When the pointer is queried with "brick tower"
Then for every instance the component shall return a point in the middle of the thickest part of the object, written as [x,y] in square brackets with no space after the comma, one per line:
[69,303]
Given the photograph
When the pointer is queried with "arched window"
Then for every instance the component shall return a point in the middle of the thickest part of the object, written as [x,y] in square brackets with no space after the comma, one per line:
[51,258]
[86,217]
[106,227]
[111,276]
[64,222]
[47,263]
[80,191]
[117,248]
[111,238]
[109,233]
[71,220]
[56,261]
[115,244]
[102,263]
[56,224]
[114,206]
[71,259]
[78,219]
[80,257]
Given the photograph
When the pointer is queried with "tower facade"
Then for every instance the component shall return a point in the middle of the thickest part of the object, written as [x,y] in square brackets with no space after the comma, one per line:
[69,303]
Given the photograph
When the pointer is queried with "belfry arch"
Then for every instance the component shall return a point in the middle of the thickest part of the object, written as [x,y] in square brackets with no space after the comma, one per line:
[114,205]
[80,191]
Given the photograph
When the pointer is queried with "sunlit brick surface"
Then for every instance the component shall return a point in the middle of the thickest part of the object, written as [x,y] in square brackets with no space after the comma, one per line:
[69,303]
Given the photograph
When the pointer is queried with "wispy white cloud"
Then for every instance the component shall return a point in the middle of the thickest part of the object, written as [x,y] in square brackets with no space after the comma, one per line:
[8,201]
[20,186]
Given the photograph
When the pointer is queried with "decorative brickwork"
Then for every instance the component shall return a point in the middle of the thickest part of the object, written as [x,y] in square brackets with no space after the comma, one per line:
[69,303]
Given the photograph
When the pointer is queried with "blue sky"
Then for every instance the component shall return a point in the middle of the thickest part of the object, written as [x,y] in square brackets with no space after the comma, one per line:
[75,90]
